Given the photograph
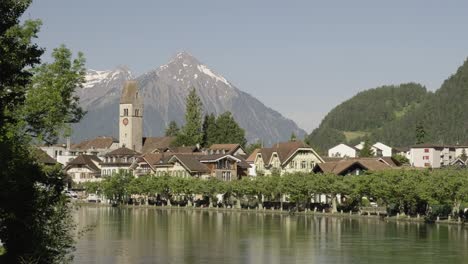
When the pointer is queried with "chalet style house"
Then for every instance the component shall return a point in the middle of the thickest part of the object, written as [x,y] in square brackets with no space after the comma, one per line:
[117,160]
[84,168]
[221,166]
[354,166]
[286,157]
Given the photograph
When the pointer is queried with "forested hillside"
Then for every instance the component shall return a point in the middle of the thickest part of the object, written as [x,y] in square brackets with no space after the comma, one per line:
[390,114]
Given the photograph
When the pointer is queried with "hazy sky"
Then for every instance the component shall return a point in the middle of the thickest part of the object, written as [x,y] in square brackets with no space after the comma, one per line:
[301,58]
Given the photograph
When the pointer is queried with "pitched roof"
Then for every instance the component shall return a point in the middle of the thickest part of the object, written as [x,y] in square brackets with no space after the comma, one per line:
[123,151]
[191,163]
[85,160]
[285,150]
[43,157]
[341,166]
[428,145]
[151,144]
[228,148]
[252,156]
[353,147]
[189,149]
[97,143]
[129,93]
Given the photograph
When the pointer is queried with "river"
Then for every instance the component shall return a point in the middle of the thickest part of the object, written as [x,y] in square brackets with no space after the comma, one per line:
[148,235]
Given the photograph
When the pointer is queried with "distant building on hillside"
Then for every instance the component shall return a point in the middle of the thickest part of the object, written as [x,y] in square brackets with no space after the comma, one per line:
[431,155]
[379,149]
[343,150]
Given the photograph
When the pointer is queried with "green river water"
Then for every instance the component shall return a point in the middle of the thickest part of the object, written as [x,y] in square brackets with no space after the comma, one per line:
[148,235]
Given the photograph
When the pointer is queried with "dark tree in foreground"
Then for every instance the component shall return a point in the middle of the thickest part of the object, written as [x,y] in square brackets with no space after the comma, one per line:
[36,103]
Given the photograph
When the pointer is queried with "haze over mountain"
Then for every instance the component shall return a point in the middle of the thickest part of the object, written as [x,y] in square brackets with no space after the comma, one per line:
[165,89]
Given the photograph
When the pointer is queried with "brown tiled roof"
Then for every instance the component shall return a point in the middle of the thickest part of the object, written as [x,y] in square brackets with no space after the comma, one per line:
[43,157]
[86,160]
[432,146]
[284,149]
[129,92]
[151,144]
[338,167]
[192,163]
[243,163]
[189,149]
[97,143]
[252,156]
[154,159]
[228,148]
[123,151]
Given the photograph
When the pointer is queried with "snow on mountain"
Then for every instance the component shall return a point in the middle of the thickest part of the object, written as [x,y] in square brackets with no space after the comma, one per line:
[165,89]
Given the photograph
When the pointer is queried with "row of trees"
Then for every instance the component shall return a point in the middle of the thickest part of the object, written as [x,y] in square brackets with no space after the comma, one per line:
[205,131]
[408,192]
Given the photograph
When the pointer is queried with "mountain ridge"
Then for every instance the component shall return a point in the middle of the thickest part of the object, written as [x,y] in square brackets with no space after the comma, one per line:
[164,89]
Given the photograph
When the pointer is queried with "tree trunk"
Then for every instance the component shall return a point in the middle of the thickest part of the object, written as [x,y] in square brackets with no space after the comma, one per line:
[260,204]
[210,205]
[456,208]
[334,204]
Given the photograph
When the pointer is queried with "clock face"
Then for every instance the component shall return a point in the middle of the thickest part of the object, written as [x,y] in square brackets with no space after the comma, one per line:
[125,121]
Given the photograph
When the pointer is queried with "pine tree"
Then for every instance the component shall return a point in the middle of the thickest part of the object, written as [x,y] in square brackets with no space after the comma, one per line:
[293,137]
[366,150]
[420,134]
[191,134]
[228,131]
[209,130]
[172,129]
[463,155]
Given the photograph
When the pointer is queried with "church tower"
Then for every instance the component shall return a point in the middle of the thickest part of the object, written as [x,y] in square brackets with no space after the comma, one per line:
[131,117]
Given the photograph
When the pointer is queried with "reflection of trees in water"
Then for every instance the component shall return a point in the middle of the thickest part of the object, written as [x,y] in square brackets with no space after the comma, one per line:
[190,236]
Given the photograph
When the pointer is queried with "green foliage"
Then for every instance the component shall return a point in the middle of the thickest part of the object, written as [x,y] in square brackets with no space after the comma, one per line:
[366,150]
[251,147]
[324,138]
[228,131]
[172,129]
[191,133]
[36,103]
[420,134]
[116,187]
[293,137]
[209,130]
[400,159]
[388,114]
[463,155]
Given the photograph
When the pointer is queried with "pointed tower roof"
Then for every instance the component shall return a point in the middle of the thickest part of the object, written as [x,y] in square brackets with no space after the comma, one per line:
[130,93]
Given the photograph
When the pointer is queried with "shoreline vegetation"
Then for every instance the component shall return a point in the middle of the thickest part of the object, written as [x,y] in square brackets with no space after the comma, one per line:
[349,215]
[426,195]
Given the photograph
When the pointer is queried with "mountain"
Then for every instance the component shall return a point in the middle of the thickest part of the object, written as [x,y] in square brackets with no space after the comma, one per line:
[390,114]
[164,90]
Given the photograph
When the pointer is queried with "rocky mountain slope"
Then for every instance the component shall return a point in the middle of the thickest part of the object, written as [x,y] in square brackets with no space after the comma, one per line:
[164,90]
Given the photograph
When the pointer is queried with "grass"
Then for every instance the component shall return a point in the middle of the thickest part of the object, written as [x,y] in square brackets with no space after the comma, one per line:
[351,135]
[2,250]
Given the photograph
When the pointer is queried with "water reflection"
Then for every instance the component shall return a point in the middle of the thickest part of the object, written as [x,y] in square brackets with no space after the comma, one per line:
[147,235]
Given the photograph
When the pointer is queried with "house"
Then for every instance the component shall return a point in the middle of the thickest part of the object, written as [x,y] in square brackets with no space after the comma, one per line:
[343,150]
[459,162]
[43,158]
[431,155]
[459,150]
[225,166]
[156,144]
[84,168]
[251,161]
[379,149]
[354,166]
[402,151]
[118,160]
[222,166]
[286,157]
[232,149]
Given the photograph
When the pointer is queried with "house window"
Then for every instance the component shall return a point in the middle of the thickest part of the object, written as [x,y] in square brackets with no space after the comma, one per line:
[137,112]
[304,164]
[427,164]
[426,150]
[291,165]
[125,112]
[425,157]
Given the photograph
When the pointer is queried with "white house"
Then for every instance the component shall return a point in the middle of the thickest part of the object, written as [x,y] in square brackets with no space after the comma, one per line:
[459,150]
[379,149]
[84,168]
[343,150]
[118,160]
[431,156]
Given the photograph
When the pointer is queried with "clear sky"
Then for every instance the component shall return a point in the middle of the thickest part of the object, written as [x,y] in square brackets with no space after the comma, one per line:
[301,58]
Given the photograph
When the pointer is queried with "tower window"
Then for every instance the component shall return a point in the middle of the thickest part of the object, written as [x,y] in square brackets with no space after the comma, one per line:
[125,112]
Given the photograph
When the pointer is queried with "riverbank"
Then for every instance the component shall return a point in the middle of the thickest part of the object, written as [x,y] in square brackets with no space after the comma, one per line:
[417,219]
